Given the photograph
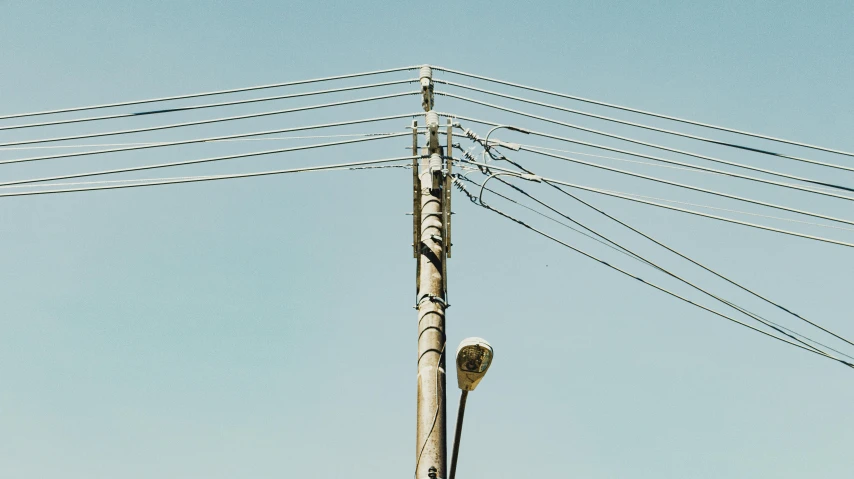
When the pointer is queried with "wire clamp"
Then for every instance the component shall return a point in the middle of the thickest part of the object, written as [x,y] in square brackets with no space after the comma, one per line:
[433,299]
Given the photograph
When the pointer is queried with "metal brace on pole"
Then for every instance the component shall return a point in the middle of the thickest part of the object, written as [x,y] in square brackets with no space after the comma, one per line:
[416,194]
[448,181]
[426,79]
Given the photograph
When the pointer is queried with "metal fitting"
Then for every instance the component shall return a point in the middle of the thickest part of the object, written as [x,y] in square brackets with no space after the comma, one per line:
[426,79]
[432,132]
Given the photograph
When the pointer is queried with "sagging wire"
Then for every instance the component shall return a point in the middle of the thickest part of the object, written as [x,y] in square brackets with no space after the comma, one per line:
[531,177]
[192,179]
[529,174]
[809,348]
[202,160]
[464,177]
[644,112]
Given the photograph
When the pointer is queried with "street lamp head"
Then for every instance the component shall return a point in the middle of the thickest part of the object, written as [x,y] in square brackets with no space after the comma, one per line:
[474,355]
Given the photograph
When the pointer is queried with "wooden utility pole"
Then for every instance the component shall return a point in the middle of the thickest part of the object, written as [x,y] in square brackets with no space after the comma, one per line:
[431,251]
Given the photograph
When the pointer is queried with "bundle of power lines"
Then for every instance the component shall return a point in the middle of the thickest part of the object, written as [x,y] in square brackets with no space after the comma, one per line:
[486,167]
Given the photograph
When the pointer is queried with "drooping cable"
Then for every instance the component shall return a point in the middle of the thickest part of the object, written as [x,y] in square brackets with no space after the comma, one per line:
[600,211]
[355,165]
[202,160]
[143,146]
[652,203]
[778,218]
[659,243]
[694,188]
[672,183]
[647,127]
[207,122]
[673,150]
[653,285]
[645,163]
[209,93]
[741,212]
[169,179]
[202,106]
[540,213]
[151,143]
[648,113]
[777,327]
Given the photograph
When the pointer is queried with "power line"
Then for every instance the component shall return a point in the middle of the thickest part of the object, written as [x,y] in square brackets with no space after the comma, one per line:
[209,93]
[203,160]
[694,188]
[600,211]
[652,145]
[672,183]
[644,112]
[659,243]
[600,261]
[272,138]
[651,203]
[206,122]
[202,106]
[143,146]
[138,180]
[647,127]
[779,218]
[169,181]
[640,258]
[691,169]
[555,220]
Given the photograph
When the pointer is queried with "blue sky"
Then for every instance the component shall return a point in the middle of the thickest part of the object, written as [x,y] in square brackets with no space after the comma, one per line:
[264,327]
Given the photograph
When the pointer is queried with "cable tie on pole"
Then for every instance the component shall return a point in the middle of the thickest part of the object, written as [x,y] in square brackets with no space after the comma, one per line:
[433,299]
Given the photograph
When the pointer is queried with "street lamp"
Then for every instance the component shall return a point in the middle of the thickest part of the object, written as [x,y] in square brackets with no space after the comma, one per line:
[474,355]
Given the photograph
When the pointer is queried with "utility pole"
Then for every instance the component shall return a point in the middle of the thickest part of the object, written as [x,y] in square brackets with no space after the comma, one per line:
[431,247]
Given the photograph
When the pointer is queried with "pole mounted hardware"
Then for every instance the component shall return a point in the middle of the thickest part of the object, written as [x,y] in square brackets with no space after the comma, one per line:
[426,79]
[435,166]
[432,132]
[447,198]
[416,201]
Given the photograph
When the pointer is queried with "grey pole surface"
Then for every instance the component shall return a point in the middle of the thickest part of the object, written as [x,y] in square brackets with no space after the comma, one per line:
[431,434]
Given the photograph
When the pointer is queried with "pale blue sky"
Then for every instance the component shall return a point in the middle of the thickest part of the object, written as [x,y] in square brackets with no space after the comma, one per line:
[264,328]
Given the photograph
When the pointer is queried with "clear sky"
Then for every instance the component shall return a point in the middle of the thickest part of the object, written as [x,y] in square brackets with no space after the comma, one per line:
[264,328]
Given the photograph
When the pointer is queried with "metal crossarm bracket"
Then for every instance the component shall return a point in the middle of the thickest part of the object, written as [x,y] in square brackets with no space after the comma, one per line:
[426,79]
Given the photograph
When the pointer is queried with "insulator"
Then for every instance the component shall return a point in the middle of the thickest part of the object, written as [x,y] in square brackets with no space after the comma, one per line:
[432,120]
[435,162]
